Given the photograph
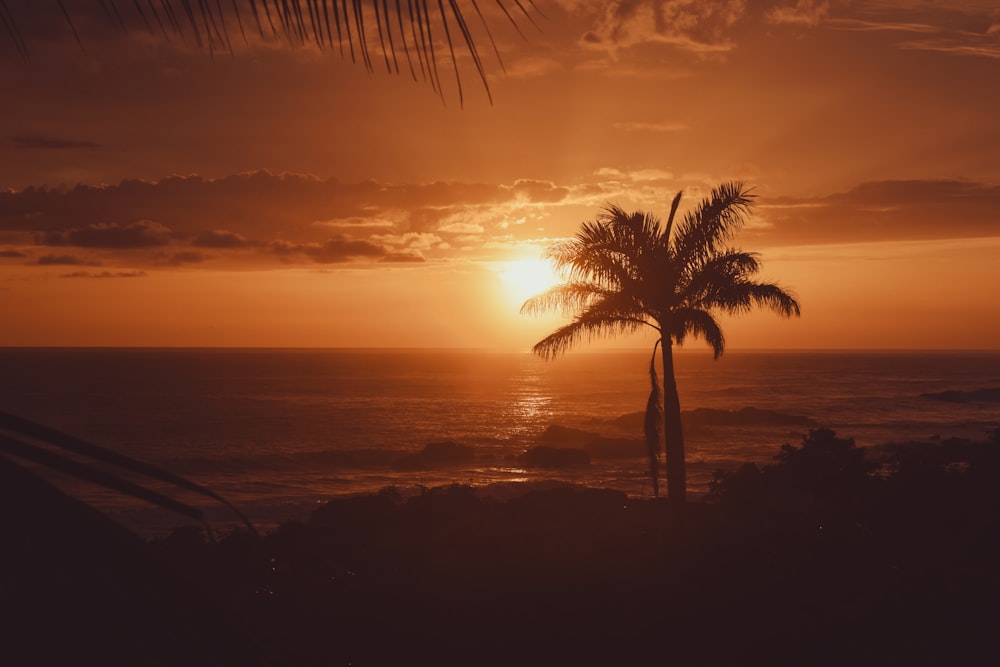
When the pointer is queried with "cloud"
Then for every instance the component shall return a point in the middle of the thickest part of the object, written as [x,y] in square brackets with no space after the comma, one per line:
[220,238]
[411,240]
[407,257]
[698,27]
[650,175]
[61,260]
[960,30]
[263,220]
[530,190]
[258,206]
[804,12]
[867,25]
[651,127]
[185,257]
[462,228]
[105,274]
[885,211]
[357,222]
[954,47]
[532,67]
[141,234]
[333,251]
[614,177]
[30,141]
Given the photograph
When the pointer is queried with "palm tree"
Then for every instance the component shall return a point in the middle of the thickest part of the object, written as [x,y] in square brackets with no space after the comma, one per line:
[626,271]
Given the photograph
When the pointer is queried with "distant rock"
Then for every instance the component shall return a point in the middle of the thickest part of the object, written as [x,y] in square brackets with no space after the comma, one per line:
[436,455]
[543,456]
[603,447]
[988,395]
[744,417]
[632,421]
[702,417]
[564,436]
[598,446]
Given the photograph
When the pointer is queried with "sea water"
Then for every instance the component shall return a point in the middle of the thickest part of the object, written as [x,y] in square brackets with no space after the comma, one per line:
[278,431]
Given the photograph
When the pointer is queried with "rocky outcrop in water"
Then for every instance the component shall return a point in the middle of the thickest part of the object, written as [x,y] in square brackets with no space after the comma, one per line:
[985,395]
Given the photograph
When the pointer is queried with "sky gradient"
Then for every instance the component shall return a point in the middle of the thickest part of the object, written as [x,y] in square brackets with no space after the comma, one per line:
[153,193]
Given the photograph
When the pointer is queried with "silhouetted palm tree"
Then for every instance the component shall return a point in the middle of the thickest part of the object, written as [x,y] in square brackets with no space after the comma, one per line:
[626,271]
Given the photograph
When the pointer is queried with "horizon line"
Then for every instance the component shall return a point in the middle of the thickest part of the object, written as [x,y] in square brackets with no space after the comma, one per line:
[582,350]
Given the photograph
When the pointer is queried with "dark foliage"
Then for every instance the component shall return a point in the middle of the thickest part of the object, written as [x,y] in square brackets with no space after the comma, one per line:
[825,468]
[543,456]
[832,555]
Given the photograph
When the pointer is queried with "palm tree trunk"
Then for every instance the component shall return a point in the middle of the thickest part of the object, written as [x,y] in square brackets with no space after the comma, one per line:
[673,433]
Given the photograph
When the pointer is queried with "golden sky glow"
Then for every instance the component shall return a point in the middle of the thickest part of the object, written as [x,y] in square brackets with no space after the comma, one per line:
[154,194]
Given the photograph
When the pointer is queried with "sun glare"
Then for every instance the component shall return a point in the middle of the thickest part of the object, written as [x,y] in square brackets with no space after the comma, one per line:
[524,278]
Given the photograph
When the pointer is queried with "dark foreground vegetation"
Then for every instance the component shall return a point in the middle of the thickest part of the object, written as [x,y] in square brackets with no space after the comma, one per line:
[833,555]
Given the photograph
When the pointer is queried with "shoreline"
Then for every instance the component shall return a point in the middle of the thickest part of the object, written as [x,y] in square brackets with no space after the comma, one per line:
[270,511]
[814,559]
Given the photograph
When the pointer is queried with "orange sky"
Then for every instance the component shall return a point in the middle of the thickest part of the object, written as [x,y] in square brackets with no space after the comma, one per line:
[154,194]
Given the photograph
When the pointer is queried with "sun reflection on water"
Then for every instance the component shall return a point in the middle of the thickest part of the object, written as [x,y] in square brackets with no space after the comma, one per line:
[532,408]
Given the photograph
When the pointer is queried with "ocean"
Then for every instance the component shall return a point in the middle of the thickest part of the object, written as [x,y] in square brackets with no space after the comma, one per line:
[278,431]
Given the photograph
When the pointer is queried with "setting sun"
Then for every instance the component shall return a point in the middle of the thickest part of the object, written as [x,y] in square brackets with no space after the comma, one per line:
[524,278]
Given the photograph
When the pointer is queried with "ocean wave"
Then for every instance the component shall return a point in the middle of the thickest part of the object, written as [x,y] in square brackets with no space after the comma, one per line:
[985,395]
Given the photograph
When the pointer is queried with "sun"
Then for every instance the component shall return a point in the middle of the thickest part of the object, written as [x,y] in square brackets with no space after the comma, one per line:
[524,278]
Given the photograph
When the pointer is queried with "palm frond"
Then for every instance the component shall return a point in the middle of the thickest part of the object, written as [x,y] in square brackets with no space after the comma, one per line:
[699,323]
[615,250]
[398,31]
[567,297]
[23,428]
[641,226]
[33,453]
[716,220]
[699,281]
[586,258]
[585,327]
[13,31]
[742,296]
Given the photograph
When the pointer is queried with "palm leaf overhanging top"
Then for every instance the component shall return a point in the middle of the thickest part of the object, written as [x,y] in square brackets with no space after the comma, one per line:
[367,30]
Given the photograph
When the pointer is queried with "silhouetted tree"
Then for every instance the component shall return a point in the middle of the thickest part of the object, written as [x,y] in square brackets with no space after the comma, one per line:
[626,271]
[825,467]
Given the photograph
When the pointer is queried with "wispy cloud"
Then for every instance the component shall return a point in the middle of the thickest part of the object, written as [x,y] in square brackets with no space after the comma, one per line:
[664,127]
[220,238]
[887,25]
[804,12]
[700,28]
[139,234]
[332,251]
[886,211]
[38,142]
[184,257]
[105,274]
[461,228]
[964,30]
[954,47]
[62,260]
